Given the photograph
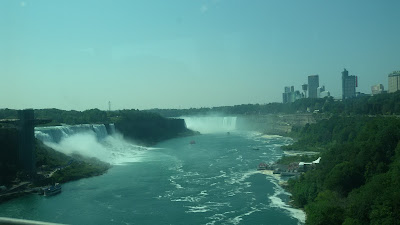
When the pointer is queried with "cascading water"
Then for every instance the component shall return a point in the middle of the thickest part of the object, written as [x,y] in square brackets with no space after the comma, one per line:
[57,133]
[214,181]
[211,124]
[91,140]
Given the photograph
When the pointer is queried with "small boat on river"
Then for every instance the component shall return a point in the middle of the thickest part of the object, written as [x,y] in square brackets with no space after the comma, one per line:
[262,166]
[52,190]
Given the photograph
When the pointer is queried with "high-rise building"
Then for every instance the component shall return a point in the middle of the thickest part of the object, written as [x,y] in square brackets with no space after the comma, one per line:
[349,84]
[313,84]
[305,88]
[394,81]
[377,89]
[290,95]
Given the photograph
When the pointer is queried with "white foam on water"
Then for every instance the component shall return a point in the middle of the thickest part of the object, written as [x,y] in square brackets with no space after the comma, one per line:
[187,199]
[218,204]
[277,202]
[112,149]
[266,136]
[197,209]
[239,177]
[173,182]
[219,217]
[203,193]
[191,174]
[237,219]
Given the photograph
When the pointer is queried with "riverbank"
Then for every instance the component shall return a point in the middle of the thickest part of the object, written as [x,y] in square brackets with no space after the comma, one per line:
[278,201]
[357,178]
[285,168]
[52,167]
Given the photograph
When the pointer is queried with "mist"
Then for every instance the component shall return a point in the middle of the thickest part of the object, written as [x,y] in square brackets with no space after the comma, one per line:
[86,142]
[211,124]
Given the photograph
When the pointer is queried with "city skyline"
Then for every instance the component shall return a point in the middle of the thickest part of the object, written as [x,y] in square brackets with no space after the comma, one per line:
[180,54]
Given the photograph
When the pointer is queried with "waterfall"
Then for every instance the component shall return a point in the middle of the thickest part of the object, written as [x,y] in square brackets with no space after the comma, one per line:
[57,133]
[91,140]
[112,129]
[211,124]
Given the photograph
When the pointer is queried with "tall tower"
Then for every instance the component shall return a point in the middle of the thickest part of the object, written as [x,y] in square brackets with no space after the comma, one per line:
[394,82]
[26,143]
[109,106]
[305,88]
[349,84]
[313,84]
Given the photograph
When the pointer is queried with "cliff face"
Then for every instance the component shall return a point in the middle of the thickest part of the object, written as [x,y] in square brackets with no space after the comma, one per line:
[151,130]
[274,123]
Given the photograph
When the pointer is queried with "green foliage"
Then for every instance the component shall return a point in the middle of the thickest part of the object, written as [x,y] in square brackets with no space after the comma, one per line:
[358,176]
[382,104]
[143,127]
[48,156]
[305,191]
[80,169]
[326,209]
[8,114]
[72,117]
[71,167]
[62,116]
[149,128]
[343,178]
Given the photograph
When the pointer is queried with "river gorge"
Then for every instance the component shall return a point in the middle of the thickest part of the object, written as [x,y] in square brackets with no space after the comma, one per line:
[210,178]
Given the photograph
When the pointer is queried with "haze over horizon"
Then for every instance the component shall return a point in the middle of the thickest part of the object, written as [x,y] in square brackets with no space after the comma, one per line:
[180,54]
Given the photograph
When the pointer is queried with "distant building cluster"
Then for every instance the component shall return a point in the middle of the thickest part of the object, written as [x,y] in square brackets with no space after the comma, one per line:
[377,89]
[290,95]
[349,84]
[309,90]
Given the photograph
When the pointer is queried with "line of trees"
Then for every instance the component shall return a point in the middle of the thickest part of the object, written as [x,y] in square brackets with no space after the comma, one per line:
[149,128]
[358,176]
[382,104]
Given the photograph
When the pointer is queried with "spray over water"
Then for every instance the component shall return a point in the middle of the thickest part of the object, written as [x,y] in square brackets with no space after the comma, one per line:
[91,141]
[211,124]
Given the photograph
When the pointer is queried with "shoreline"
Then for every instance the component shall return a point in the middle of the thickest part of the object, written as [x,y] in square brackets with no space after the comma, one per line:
[278,202]
[283,183]
[31,188]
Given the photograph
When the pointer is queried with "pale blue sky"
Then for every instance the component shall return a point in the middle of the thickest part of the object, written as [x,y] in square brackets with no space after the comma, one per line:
[179,54]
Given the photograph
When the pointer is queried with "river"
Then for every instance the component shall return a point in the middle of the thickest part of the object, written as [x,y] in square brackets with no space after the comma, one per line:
[213,181]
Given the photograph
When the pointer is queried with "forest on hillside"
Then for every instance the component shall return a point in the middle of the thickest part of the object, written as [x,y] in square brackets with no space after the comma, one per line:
[358,176]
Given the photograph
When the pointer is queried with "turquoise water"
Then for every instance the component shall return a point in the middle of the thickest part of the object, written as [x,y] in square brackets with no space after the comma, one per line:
[214,181]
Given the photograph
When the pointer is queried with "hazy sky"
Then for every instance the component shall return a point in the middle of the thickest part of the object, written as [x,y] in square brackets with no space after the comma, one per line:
[177,54]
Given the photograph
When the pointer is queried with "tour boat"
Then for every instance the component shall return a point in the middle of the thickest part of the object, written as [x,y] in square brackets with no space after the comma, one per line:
[262,166]
[52,190]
